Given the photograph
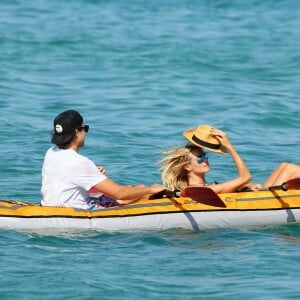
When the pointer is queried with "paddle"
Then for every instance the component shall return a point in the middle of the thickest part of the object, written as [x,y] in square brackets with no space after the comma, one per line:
[203,195]
[199,194]
[290,184]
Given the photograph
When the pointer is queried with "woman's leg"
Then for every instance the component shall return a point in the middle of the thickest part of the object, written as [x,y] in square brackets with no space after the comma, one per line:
[285,171]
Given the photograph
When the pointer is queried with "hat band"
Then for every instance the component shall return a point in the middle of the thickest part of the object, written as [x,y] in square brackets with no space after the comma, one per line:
[205,144]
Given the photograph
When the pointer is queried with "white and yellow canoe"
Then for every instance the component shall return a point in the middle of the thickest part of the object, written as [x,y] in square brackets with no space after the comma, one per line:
[198,209]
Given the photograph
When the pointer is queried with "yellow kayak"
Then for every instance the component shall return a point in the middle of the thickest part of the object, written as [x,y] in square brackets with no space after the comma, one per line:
[197,209]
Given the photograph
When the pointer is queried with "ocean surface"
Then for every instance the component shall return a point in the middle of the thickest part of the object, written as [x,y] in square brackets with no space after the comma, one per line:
[140,73]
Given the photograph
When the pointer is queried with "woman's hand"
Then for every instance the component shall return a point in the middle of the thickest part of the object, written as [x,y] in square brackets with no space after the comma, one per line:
[250,187]
[244,176]
[254,186]
[221,136]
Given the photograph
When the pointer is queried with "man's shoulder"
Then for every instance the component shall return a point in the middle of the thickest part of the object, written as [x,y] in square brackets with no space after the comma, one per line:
[70,155]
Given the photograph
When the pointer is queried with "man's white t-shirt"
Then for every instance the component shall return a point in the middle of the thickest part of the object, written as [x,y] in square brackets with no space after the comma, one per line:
[66,178]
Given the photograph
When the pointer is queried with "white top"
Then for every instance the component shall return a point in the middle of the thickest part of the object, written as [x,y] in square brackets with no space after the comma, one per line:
[66,178]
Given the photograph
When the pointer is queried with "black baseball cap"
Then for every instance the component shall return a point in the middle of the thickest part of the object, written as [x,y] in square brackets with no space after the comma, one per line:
[65,125]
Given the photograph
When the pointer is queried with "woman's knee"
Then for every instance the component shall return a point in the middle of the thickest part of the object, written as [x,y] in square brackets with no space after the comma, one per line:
[291,168]
[283,165]
[286,164]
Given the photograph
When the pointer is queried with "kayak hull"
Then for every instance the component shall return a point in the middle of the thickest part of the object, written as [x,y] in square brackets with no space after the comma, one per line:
[264,208]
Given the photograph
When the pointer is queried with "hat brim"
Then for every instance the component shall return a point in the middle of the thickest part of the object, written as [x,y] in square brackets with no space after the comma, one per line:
[61,139]
[190,133]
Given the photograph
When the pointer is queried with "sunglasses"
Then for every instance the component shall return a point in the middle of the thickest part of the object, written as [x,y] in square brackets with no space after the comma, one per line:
[85,128]
[202,157]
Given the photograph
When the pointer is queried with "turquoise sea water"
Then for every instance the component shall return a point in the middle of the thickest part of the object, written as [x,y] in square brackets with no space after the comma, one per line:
[141,72]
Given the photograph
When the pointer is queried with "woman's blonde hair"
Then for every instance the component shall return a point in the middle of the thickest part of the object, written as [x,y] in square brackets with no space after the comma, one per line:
[173,171]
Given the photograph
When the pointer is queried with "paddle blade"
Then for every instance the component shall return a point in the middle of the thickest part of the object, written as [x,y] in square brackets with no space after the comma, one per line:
[203,195]
[291,184]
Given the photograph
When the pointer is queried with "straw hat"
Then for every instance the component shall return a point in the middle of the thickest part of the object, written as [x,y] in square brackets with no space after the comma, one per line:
[201,137]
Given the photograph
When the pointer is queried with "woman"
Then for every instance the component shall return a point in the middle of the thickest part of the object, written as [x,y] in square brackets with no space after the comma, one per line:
[185,166]
[67,176]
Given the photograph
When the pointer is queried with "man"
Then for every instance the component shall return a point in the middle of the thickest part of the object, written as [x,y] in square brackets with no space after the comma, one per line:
[67,176]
